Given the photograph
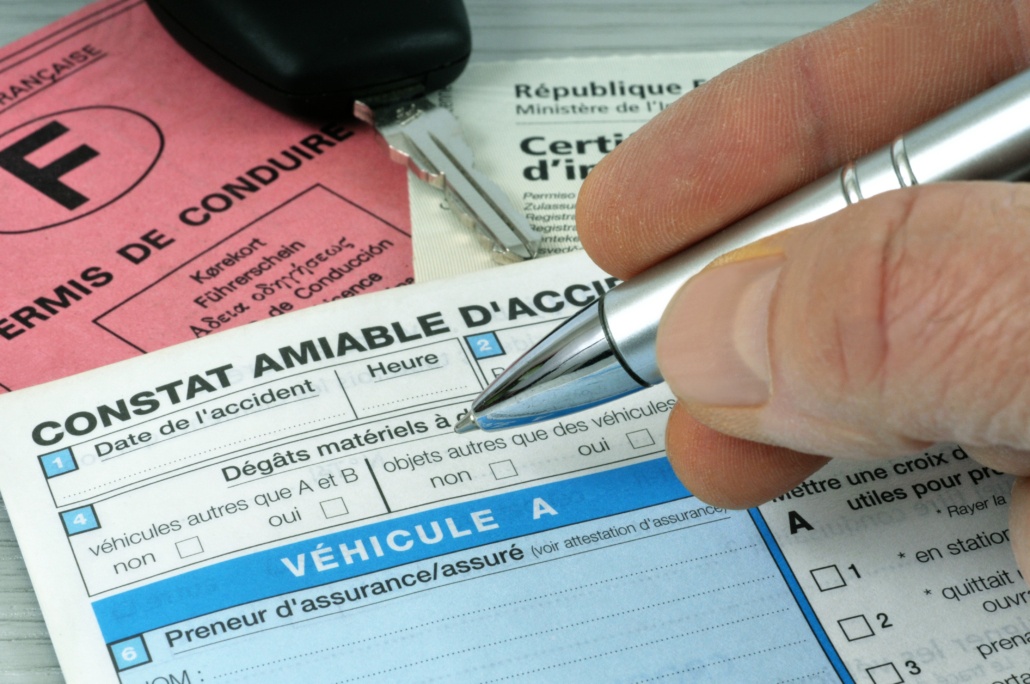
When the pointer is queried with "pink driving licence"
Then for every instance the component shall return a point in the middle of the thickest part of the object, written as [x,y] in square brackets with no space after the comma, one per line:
[145,202]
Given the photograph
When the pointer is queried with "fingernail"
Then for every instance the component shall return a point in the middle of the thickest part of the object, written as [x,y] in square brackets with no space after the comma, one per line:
[713,341]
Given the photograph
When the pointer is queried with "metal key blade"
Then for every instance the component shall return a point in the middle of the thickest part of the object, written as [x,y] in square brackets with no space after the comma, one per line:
[428,140]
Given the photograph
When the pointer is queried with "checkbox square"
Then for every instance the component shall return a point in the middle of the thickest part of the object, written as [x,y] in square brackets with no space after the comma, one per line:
[856,627]
[58,463]
[129,653]
[79,520]
[503,469]
[828,577]
[334,508]
[189,547]
[639,439]
[884,674]
[484,345]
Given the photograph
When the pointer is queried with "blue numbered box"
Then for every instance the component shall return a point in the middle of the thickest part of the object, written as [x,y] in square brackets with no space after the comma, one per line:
[79,520]
[58,463]
[484,345]
[129,653]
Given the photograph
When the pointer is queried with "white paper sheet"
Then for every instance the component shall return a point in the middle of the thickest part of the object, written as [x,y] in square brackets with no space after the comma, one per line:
[287,502]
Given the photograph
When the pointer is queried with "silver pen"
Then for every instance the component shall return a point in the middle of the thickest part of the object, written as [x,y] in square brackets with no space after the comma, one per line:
[607,350]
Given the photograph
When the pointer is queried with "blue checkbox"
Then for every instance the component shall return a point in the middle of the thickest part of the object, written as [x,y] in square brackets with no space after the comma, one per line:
[58,463]
[129,653]
[484,345]
[79,520]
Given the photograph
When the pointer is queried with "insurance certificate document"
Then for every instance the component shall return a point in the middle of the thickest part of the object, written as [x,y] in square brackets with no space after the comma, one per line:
[538,127]
[287,501]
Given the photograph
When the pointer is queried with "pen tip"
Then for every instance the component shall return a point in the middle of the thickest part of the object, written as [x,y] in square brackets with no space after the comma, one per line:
[466,424]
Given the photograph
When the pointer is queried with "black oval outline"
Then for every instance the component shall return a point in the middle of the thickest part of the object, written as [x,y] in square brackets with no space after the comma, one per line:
[160,151]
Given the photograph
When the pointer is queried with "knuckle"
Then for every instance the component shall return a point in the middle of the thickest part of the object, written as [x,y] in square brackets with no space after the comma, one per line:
[909,310]
[953,320]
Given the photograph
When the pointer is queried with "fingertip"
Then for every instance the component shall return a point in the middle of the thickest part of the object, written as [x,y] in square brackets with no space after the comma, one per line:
[628,211]
[1003,459]
[596,206]
[1019,523]
[730,472]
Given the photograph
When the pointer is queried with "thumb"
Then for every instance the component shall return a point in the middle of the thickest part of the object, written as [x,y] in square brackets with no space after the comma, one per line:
[898,323]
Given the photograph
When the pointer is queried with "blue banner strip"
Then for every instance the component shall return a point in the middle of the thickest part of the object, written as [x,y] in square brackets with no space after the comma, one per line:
[378,546]
[799,596]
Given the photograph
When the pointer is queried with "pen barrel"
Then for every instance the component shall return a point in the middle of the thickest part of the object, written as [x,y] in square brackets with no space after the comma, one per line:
[987,137]
[631,312]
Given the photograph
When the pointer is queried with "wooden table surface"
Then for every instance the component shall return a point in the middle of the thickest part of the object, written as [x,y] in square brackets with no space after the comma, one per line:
[508,29]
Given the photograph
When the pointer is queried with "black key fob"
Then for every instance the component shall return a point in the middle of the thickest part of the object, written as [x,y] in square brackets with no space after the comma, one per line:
[314,58]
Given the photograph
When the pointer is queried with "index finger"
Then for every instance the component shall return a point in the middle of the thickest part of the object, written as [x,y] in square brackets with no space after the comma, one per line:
[789,116]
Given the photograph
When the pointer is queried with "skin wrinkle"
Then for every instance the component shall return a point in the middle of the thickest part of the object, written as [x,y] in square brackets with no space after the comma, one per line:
[813,411]
[839,337]
[952,374]
[973,311]
[995,307]
[818,140]
[1020,36]
[891,263]
[1011,391]
[859,361]
[1008,426]
[894,267]
[841,369]
[931,315]
[823,143]
[1017,307]
[943,317]
[955,320]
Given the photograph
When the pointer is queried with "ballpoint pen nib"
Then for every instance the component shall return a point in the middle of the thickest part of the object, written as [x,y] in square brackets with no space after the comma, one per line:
[466,424]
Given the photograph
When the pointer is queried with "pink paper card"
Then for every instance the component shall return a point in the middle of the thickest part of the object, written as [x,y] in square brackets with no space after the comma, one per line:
[144,201]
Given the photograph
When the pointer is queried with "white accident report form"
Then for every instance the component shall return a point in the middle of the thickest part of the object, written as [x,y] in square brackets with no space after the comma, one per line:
[288,502]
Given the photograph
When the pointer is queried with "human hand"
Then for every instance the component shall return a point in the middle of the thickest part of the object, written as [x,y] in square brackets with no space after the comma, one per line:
[900,322]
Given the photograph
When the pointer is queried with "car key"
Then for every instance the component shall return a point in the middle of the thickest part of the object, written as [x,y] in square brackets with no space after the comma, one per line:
[319,58]
[429,141]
